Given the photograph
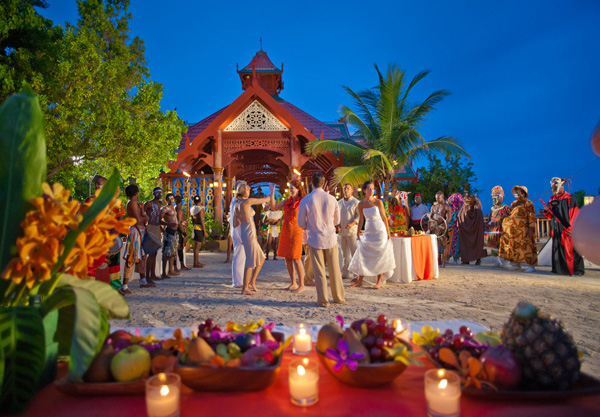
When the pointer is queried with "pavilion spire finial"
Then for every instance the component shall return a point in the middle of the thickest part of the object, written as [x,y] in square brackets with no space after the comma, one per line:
[261,50]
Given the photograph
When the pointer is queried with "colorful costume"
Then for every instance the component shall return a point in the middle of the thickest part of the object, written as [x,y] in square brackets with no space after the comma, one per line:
[565,259]
[515,245]
[499,212]
[456,201]
[290,240]
[397,218]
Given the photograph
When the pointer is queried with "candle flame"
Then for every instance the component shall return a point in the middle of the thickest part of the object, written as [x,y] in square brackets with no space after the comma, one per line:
[164,390]
[441,372]
[302,331]
[162,377]
[301,370]
[305,361]
[443,383]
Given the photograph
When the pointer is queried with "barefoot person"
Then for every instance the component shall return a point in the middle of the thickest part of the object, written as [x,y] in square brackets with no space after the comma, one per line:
[347,228]
[152,209]
[182,232]
[238,264]
[374,254]
[168,216]
[134,254]
[319,213]
[290,240]
[197,212]
[243,218]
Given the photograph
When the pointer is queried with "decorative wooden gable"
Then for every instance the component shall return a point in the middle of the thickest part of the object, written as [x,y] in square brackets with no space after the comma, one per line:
[256,118]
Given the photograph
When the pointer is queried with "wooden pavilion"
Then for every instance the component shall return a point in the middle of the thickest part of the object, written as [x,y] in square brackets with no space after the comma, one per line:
[259,138]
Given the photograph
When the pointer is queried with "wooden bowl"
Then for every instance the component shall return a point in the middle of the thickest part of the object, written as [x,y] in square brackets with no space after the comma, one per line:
[213,378]
[371,375]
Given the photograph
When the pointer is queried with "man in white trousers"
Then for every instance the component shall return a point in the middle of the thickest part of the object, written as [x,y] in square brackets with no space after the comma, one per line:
[347,228]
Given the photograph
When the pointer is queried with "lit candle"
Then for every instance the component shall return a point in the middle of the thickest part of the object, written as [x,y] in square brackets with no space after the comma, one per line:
[302,340]
[442,393]
[304,381]
[402,329]
[162,395]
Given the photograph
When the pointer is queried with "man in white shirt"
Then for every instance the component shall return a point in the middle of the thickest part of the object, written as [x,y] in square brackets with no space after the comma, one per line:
[417,211]
[318,214]
[347,227]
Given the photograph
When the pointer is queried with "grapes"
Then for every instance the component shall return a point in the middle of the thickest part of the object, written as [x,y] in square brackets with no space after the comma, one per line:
[463,329]
[464,340]
[379,342]
[375,353]
[449,332]
[389,333]
[438,340]
[381,319]
[369,341]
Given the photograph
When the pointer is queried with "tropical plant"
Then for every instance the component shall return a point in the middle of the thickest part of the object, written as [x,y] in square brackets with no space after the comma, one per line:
[389,123]
[47,242]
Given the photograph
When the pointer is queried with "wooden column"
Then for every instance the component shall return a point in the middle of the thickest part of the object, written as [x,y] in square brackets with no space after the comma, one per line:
[218,172]
[228,192]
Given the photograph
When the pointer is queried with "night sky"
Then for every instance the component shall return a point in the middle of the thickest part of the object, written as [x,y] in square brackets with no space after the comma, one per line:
[524,75]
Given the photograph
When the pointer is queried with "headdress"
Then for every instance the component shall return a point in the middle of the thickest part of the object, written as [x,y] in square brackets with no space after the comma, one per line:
[497,190]
[557,180]
[522,188]
[456,201]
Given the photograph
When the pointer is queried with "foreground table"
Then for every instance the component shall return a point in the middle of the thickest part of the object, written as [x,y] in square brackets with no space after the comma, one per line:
[404,397]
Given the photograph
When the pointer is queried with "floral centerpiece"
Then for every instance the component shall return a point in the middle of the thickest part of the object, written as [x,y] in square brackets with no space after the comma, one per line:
[47,243]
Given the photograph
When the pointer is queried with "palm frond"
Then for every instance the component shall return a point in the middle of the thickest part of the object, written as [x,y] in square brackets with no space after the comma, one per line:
[363,108]
[414,82]
[446,145]
[418,113]
[317,147]
[380,161]
[355,175]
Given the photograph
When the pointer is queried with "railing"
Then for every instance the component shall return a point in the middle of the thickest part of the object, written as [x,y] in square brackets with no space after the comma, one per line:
[542,228]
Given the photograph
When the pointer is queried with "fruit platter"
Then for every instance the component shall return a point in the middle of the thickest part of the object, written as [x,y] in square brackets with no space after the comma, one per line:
[123,363]
[237,357]
[532,358]
[408,233]
[368,354]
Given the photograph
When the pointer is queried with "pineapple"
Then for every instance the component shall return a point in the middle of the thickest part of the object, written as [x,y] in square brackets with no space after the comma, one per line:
[547,352]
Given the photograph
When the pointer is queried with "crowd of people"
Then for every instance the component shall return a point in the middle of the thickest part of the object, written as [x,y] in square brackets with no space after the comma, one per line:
[316,225]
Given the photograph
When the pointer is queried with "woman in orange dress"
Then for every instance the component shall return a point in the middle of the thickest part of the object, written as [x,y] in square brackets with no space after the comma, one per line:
[290,237]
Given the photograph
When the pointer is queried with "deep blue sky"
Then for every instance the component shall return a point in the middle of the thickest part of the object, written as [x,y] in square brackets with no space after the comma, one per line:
[524,75]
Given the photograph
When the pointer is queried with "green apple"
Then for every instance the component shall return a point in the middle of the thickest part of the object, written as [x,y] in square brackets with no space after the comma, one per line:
[491,338]
[130,364]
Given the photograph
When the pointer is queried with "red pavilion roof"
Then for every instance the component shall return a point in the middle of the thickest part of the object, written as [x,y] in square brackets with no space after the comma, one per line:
[262,63]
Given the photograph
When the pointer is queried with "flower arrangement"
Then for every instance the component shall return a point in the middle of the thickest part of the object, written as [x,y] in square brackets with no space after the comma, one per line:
[47,243]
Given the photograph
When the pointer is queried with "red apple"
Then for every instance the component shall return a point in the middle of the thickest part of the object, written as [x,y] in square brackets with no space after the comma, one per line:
[502,367]
[119,338]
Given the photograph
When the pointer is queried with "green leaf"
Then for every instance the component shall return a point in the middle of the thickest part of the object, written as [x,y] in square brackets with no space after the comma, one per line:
[51,356]
[22,165]
[109,299]
[86,327]
[22,343]
[104,330]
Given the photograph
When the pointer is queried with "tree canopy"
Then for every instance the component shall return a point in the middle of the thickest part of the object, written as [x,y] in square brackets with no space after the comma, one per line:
[101,108]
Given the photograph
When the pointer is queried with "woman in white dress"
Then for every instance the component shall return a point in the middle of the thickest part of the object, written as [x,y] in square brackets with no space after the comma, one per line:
[239,256]
[374,254]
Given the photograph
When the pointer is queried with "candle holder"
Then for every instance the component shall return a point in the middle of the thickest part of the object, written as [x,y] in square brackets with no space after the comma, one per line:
[442,393]
[162,395]
[402,329]
[302,340]
[304,382]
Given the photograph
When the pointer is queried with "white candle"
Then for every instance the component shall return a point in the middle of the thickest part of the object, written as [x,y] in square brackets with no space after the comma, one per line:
[402,329]
[162,395]
[442,392]
[304,382]
[302,340]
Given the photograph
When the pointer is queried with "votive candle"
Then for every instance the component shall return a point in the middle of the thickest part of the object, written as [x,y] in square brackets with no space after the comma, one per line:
[162,395]
[442,393]
[304,382]
[402,329]
[302,340]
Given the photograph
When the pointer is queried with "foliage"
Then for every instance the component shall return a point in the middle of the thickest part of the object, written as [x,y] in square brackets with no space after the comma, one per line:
[579,195]
[214,229]
[448,176]
[390,124]
[53,235]
[101,108]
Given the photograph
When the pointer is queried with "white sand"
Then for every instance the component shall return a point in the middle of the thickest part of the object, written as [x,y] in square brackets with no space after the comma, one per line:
[484,294]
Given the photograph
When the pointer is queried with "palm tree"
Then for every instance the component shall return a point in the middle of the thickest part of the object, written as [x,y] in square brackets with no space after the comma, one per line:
[390,125]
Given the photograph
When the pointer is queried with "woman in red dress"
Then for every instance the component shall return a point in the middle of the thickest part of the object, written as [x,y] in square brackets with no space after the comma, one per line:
[290,238]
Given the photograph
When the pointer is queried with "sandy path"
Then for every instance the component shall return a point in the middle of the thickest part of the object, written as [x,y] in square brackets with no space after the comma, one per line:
[479,293]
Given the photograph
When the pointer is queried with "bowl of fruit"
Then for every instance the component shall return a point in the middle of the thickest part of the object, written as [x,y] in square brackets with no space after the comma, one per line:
[239,357]
[368,354]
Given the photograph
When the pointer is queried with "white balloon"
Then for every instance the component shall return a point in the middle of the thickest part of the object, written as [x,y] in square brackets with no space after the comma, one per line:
[586,232]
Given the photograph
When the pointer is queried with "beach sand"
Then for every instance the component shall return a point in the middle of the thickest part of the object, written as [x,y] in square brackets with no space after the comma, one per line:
[483,294]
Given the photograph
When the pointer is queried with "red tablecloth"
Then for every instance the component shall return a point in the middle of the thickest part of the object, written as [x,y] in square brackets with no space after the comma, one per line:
[404,397]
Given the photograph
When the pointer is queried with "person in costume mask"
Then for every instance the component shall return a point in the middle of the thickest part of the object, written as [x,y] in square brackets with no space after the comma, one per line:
[499,212]
[517,242]
[562,210]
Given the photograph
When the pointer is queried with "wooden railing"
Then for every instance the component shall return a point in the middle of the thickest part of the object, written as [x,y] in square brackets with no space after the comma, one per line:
[542,229]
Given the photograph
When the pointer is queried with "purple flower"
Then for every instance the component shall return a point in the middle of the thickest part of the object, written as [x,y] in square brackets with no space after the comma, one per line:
[271,345]
[269,326]
[340,320]
[342,357]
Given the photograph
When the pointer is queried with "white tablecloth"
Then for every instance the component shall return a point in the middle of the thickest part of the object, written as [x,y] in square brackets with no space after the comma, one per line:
[405,269]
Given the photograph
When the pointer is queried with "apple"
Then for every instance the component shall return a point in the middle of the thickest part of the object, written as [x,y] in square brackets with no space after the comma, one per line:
[119,338]
[131,363]
[257,357]
[502,367]
[489,338]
